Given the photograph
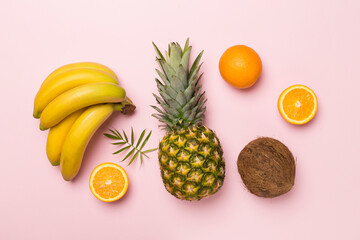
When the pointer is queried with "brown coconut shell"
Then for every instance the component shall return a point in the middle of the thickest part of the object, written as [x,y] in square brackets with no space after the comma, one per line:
[267,167]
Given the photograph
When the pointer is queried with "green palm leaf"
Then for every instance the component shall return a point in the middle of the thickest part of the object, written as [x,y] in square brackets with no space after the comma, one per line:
[133,149]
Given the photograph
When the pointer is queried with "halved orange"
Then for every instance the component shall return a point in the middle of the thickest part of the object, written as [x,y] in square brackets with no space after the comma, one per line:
[297,104]
[108,182]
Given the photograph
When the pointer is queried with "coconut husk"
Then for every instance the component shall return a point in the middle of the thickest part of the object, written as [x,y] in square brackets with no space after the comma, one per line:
[267,167]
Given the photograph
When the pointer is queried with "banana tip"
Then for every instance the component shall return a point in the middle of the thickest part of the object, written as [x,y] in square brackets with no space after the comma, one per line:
[36,115]
[67,179]
[42,128]
[55,163]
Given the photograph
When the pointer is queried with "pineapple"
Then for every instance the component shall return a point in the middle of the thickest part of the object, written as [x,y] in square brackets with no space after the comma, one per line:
[190,155]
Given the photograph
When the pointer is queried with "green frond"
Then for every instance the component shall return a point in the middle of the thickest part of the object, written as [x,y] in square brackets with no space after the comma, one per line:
[134,149]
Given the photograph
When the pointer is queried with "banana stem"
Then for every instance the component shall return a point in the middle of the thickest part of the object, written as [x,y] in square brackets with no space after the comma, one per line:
[125,107]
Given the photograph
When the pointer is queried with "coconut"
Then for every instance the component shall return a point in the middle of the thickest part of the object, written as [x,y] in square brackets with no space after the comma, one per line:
[267,167]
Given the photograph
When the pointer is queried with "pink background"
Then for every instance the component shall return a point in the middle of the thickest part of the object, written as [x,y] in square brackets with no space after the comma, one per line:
[315,43]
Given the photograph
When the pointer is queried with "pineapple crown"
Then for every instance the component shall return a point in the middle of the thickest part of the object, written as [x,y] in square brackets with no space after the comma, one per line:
[181,100]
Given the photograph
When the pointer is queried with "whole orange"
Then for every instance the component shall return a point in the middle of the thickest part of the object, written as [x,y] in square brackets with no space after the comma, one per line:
[240,66]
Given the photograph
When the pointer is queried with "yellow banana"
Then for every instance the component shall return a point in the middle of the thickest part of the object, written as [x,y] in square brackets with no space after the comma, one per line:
[77,98]
[77,65]
[79,136]
[57,135]
[65,81]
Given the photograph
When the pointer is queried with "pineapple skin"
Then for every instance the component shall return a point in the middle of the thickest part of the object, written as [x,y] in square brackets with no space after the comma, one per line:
[191,163]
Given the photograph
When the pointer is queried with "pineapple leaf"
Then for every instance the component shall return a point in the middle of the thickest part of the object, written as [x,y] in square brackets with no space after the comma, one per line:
[175,54]
[159,83]
[199,114]
[134,150]
[193,73]
[158,52]
[171,110]
[168,71]
[181,77]
[159,99]
[180,98]
[187,114]
[158,110]
[192,116]
[186,47]
[166,96]
[176,84]
[168,89]
[164,119]
[163,77]
[185,59]
[196,62]
[198,80]
[190,104]
[202,102]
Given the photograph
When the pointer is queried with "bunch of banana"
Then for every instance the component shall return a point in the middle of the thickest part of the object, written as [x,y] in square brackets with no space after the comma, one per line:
[73,102]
